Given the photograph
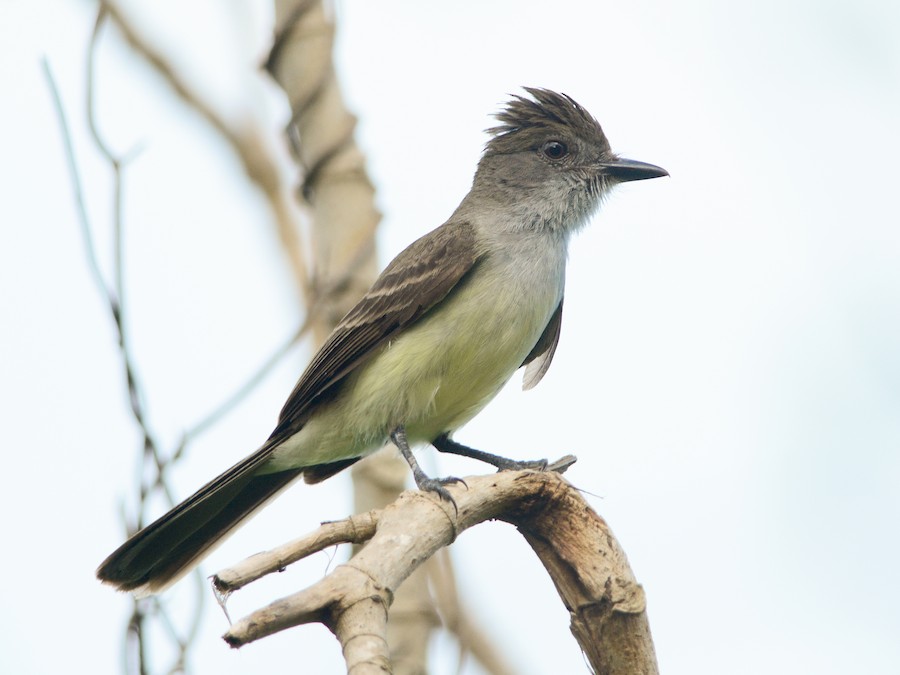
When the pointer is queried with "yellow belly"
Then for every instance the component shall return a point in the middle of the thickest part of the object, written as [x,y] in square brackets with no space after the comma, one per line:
[432,378]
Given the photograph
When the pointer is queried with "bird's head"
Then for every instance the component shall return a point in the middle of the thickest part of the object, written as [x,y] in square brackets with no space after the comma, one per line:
[550,156]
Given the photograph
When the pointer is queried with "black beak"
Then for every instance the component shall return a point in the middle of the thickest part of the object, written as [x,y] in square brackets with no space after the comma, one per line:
[629,169]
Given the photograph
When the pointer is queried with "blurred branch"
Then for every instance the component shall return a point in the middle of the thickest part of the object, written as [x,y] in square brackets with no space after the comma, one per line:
[336,187]
[75,177]
[473,638]
[248,143]
[115,162]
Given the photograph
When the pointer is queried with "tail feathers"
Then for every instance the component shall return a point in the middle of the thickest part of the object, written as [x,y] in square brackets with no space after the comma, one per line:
[167,549]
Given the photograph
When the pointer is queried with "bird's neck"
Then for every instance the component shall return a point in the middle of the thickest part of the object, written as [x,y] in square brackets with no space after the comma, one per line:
[552,217]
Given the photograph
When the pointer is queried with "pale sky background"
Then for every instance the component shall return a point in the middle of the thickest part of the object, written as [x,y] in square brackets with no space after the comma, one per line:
[729,370]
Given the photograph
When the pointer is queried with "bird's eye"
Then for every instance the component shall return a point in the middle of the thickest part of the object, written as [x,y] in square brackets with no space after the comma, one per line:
[554,150]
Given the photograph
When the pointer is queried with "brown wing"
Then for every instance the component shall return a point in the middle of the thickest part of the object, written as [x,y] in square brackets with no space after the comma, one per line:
[538,360]
[416,280]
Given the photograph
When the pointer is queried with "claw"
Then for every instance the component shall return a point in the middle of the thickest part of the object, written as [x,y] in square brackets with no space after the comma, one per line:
[436,485]
[452,480]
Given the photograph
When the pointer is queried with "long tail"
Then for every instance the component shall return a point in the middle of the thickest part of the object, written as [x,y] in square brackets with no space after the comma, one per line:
[167,549]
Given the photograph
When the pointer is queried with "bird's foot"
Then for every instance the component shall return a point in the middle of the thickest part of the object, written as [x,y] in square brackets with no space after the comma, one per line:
[423,482]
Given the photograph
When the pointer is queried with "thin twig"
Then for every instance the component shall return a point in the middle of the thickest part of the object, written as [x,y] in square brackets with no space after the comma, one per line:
[108,293]
[226,406]
[117,163]
[75,177]
[135,396]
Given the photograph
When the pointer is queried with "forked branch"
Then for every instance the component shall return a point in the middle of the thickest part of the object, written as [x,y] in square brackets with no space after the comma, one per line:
[584,560]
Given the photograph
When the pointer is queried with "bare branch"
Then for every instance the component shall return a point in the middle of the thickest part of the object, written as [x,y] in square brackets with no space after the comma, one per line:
[357,529]
[577,548]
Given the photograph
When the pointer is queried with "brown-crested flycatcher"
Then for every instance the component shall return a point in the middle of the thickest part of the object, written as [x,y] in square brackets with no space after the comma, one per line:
[435,338]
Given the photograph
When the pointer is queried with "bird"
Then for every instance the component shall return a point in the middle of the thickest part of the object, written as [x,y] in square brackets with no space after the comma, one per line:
[439,333]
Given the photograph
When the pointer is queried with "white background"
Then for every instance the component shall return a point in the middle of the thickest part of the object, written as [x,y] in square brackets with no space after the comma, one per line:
[729,370]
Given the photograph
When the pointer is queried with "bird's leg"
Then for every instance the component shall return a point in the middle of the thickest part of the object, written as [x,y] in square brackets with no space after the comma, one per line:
[423,482]
[444,444]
